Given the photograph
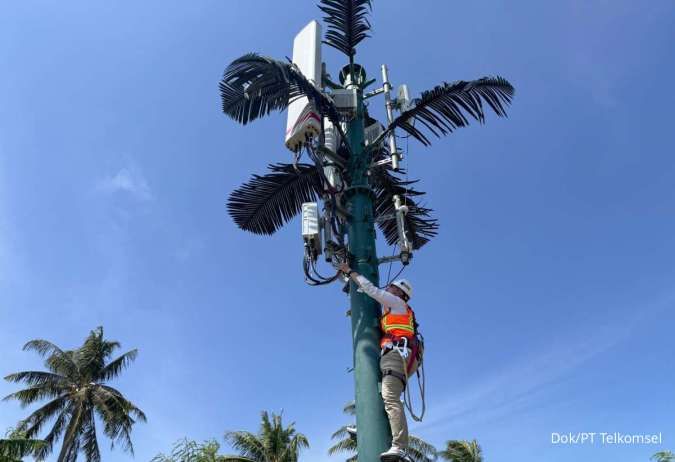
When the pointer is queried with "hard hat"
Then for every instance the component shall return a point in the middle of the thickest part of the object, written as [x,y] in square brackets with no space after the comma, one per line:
[404,285]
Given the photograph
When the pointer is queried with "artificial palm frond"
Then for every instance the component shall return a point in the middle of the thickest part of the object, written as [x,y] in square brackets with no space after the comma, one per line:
[347,22]
[419,224]
[255,85]
[447,106]
[267,202]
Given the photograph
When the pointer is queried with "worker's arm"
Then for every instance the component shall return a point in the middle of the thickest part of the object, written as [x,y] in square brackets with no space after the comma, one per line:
[382,296]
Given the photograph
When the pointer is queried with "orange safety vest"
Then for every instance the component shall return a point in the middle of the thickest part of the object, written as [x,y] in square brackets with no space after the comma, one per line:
[397,326]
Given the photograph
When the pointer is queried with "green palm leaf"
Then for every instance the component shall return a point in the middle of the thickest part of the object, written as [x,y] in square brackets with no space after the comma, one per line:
[89,440]
[350,408]
[115,367]
[32,424]
[462,451]
[267,202]
[421,451]
[17,445]
[37,378]
[447,107]
[54,434]
[273,443]
[663,456]
[56,360]
[78,394]
[248,445]
[346,444]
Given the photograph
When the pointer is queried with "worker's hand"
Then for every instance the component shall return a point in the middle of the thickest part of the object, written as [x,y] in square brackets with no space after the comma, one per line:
[344,267]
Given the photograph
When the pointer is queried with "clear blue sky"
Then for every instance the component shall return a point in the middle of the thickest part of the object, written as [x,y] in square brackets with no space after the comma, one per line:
[547,300]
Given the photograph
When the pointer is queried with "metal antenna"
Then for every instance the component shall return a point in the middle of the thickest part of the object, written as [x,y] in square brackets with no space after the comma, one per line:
[403,242]
[389,106]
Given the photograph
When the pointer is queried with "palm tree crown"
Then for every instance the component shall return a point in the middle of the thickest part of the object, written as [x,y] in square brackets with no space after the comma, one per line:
[254,85]
[663,456]
[272,443]
[187,450]
[77,395]
[462,451]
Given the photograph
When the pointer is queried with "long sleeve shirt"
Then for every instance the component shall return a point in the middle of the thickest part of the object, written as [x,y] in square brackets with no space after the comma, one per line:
[388,300]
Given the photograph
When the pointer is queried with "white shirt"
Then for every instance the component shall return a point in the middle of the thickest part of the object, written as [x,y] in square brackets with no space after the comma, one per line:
[388,300]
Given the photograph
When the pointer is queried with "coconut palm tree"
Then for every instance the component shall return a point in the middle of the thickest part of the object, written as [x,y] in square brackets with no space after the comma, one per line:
[187,450]
[663,456]
[77,392]
[16,446]
[254,85]
[418,449]
[272,443]
[462,451]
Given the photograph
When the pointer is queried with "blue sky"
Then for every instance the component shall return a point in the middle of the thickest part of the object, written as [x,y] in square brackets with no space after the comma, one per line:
[546,300]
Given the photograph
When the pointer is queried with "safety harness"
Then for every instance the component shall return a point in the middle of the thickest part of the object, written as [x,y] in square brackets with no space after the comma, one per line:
[400,332]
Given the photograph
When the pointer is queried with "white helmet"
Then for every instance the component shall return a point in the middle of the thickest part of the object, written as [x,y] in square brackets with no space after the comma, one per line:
[404,285]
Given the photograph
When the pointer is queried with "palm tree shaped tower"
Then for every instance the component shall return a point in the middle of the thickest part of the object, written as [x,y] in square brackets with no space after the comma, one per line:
[352,171]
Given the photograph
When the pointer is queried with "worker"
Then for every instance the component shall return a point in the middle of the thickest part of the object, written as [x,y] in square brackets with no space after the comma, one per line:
[398,356]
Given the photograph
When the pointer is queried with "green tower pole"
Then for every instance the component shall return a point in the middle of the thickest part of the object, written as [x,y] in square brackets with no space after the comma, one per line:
[373,434]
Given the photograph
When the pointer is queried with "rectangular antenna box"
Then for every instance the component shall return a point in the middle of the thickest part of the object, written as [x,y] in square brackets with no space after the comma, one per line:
[310,225]
[372,131]
[303,121]
[345,101]
[310,219]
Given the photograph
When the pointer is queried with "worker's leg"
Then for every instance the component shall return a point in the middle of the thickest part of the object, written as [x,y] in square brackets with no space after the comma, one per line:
[391,395]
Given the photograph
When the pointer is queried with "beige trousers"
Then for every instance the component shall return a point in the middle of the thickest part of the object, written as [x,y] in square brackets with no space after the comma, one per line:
[392,387]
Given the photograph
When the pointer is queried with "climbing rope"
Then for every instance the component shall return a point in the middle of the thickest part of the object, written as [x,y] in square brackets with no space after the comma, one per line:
[421,383]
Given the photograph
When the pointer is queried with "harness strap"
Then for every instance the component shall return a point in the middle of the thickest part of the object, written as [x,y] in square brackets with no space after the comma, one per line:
[413,344]
[396,374]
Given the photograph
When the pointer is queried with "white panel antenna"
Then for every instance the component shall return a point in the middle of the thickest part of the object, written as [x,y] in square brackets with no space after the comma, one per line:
[345,101]
[372,131]
[403,98]
[331,143]
[303,121]
[332,136]
[311,228]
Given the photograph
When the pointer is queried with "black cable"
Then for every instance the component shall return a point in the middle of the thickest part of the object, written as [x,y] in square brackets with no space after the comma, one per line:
[307,264]
[316,273]
[318,163]
[397,274]
[391,263]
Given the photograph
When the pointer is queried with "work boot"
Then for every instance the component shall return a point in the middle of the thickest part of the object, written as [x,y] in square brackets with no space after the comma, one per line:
[394,454]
